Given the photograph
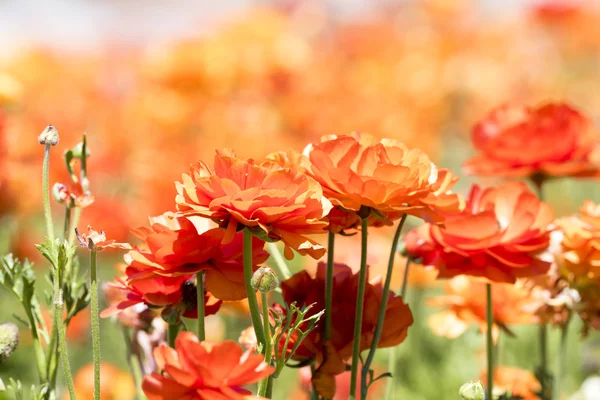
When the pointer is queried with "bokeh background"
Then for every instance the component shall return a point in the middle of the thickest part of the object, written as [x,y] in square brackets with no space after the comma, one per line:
[158,85]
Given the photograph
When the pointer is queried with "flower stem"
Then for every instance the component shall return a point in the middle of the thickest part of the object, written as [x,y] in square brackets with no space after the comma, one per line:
[62,340]
[490,343]
[329,286]
[172,330]
[95,324]
[67,222]
[46,194]
[264,384]
[200,299]
[252,303]
[382,308]
[133,363]
[282,269]
[562,359]
[360,302]
[393,353]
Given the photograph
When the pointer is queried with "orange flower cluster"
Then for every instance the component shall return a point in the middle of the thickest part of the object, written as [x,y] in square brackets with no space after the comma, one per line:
[196,370]
[565,143]
[498,236]
[465,304]
[305,289]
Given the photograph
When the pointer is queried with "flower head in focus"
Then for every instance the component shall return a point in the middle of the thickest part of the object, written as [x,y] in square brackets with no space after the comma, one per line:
[359,172]
[465,305]
[499,236]
[96,241]
[559,140]
[196,370]
[276,203]
[331,357]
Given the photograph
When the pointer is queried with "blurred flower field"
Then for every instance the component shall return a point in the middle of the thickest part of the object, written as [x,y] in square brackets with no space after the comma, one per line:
[473,135]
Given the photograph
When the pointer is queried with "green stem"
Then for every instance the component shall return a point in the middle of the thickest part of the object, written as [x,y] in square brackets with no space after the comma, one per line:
[67,224]
[329,286]
[264,384]
[62,340]
[40,357]
[490,343]
[252,303]
[360,302]
[393,353]
[75,222]
[562,360]
[133,363]
[382,308]
[95,324]
[172,330]
[282,269]
[46,194]
[200,276]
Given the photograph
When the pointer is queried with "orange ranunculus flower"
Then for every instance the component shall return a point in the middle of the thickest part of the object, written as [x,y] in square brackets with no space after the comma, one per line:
[302,288]
[465,305]
[180,249]
[274,202]
[517,381]
[552,140]
[114,383]
[358,171]
[196,370]
[498,236]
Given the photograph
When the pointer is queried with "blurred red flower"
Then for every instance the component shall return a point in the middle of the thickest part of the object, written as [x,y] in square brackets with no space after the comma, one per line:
[359,170]
[276,203]
[498,236]
[197,370]
[553,140]
[331,356]
[519,382]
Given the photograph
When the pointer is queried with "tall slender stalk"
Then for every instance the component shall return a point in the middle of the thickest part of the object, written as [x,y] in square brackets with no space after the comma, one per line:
[46,193]
[62,340]
[382,309]
[360,302]
[329,286]
[264,384]
[200,276]
[252,303]
[561,361]
[282,269]
[490,343]
[95,324]
[393,353]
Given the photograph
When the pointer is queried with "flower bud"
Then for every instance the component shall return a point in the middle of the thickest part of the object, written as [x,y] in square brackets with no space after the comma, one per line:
[9,340]
[264,279]
[78,151]
[472,391]
[60,193]
[49,136]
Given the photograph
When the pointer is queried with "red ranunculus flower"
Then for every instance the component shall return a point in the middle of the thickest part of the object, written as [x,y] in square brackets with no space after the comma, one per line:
[196,370]
[498,236]
[553,140]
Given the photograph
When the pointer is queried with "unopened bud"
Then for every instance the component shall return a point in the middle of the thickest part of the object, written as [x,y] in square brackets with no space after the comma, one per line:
[472,391]
[264,279]
[49,136]
[78,151]
[60,193]
[9,340]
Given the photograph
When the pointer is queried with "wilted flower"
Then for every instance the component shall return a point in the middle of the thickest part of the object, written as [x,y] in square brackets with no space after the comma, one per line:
[516,381]
[96,241]
[358,171]
[275,203]
[559,141]
[196,370]
[498,236]
[332,356]
[73,196]
[465,305]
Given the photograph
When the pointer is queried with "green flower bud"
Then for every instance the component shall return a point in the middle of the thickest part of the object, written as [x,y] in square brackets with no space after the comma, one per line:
[472,391]
[78,151]
[264,279]
[49,136]
[9,340]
